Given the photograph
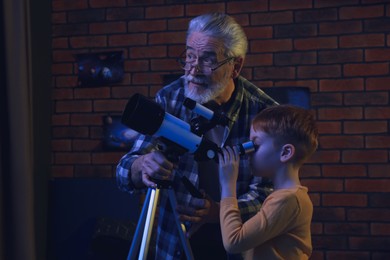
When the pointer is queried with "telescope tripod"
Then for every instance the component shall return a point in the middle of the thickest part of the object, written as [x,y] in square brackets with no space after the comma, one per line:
[146,221]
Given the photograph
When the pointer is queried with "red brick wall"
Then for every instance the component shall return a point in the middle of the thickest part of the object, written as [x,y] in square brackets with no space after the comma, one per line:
[339,49]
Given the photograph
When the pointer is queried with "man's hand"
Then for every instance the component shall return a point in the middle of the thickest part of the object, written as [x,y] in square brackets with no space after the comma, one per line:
[199,212]
[151,166]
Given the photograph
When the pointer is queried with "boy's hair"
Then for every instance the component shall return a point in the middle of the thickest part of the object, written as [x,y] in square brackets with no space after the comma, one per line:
[289,124]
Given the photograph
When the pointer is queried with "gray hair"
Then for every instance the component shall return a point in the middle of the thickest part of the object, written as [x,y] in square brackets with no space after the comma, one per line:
[223,27]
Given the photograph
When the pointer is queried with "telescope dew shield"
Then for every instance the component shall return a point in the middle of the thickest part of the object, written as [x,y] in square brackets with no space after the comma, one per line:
[147,117]
[142,115]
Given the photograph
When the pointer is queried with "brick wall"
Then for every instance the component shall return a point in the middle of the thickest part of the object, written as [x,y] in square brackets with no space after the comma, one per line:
[339,49]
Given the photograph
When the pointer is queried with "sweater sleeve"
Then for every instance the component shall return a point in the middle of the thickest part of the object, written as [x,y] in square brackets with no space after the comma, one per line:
[273,219]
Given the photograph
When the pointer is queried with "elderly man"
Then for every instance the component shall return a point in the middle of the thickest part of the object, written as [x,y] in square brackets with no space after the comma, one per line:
[216,46]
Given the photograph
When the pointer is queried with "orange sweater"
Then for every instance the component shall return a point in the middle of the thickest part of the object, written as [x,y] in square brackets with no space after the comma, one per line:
[280,230]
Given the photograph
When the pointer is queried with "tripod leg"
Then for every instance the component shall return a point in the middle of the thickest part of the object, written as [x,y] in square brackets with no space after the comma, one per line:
[141,222]
[184,240]
[149,223]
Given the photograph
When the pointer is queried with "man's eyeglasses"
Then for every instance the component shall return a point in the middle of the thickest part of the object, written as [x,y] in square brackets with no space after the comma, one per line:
[204,65]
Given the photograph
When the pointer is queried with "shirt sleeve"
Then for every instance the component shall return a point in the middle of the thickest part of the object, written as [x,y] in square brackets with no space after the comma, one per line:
[142,145]
[272,220]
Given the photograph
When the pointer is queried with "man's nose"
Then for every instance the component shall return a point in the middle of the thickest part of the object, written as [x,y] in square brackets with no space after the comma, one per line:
[195,68]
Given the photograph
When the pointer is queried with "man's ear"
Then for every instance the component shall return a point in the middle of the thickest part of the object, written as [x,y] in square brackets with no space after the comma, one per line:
[238,63]
[287,152]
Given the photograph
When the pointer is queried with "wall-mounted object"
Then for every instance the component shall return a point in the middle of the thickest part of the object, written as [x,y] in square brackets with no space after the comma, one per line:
[99,69]
[298,96]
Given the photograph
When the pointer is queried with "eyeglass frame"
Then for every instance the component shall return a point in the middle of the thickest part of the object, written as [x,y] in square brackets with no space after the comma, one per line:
[184,63]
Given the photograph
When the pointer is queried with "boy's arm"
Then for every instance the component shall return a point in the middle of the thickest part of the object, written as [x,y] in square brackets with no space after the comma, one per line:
[229,160]
[274,219]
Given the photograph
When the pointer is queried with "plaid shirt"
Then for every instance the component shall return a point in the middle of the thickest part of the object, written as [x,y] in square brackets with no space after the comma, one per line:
[246,102]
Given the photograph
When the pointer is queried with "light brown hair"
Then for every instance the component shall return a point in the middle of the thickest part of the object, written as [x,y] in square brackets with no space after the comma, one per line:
[289,124]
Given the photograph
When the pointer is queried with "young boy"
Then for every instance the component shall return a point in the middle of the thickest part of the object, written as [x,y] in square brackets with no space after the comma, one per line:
[284,137]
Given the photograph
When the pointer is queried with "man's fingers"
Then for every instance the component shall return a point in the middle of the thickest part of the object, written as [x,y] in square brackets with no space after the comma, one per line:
[192,219]
[146,180]
[162,161]
[185,210]
[199,203]
[156,167]
[193,229]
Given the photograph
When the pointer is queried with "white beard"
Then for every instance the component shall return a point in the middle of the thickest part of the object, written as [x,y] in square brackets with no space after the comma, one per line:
[205,94]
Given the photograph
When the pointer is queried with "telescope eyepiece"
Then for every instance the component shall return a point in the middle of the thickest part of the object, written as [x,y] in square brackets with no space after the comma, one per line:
[246,148]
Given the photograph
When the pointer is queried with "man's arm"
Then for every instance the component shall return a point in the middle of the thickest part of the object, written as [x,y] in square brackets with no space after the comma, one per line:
[250,202]
[123,173]
[136,172]
[128,170]
[140,171]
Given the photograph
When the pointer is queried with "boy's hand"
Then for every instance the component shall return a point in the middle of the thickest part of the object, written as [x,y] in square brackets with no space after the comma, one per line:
[229,161]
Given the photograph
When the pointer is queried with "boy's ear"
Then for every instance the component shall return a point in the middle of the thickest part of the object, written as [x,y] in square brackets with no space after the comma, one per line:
[287,152]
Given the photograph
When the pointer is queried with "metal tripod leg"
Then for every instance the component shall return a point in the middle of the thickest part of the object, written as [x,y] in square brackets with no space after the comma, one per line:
[145,225]
[141,222]
[146,222]
[180,227]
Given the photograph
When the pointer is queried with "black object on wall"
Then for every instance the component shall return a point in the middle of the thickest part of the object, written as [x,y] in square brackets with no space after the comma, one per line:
[298,96]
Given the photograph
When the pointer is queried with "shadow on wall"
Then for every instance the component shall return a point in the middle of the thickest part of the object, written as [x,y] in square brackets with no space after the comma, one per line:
[90,219]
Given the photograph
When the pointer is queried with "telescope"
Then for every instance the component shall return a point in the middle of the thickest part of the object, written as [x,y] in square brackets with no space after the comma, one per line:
[148,118]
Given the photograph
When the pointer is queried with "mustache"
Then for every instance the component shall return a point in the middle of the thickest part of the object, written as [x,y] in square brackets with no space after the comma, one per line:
[197,79]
